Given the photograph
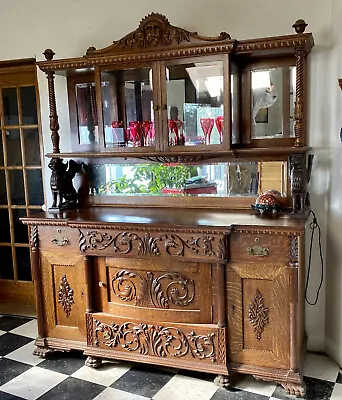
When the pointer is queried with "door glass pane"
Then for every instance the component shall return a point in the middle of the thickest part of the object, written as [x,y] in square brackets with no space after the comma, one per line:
[17,187]
[10,106]
[13,147]
[35,187]
[3,192]
[195,103]
[6,267]
[28,105]
[128,107]
[1,153]
[32,149]
[20,230]
[23,263]
[88,130]
[5,235]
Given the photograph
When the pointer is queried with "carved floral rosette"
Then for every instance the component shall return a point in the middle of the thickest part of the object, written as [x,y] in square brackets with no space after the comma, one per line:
[156,340]
[175,244]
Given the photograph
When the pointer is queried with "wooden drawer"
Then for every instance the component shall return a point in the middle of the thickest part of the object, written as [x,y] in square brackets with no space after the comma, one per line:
[256,246]
[176,345]
[58,238]
[156,290]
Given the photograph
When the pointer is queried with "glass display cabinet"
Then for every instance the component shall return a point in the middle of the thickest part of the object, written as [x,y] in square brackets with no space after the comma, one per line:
[155,255]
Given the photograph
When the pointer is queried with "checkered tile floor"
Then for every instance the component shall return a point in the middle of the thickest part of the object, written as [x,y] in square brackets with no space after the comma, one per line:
[64,376]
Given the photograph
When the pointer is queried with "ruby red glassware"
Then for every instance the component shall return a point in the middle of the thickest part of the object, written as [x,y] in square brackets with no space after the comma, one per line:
[220,126]
[173,129]
[136,133]
[207,125]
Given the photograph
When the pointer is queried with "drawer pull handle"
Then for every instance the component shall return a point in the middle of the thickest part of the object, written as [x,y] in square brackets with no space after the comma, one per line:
[60,241]
[258,251]
[102,284]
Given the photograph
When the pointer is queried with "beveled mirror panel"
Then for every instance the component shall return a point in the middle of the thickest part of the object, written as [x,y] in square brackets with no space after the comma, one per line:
[246,179]
[272,108]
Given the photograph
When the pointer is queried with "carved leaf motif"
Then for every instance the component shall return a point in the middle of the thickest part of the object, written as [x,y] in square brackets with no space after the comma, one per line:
[65,296]
[155,340]
[258,314]
[128,286]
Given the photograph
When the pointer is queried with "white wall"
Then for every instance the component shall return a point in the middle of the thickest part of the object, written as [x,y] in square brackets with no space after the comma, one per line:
[69,27]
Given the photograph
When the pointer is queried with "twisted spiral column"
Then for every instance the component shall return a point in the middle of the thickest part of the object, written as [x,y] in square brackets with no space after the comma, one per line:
[299,127]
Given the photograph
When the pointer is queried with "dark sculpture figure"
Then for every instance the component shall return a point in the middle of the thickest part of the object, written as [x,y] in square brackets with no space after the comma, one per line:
[61,183]
[300,176]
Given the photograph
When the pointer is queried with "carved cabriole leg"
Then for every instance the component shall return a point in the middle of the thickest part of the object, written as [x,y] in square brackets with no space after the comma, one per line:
[222,381]
[93,362]
[296,389]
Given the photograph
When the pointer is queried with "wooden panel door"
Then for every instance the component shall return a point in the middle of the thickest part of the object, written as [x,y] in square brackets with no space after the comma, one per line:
[21,182]
[65,301]
[259,314]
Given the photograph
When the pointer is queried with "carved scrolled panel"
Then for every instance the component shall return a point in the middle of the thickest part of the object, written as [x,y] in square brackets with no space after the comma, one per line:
[185,244]
[174,341]
[65,296]
[258,314]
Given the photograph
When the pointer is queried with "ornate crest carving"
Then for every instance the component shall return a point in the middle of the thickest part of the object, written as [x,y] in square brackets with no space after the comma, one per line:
[153,340]
[258,314]
[65,295]
[159,292]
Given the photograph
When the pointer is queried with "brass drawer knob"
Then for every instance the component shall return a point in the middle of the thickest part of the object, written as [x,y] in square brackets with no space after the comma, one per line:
[102,284]
[60,240]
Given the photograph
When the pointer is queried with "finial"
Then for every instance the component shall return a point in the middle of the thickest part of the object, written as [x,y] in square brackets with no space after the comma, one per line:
[340,83]
[90,50]
[48,53]
[299,26]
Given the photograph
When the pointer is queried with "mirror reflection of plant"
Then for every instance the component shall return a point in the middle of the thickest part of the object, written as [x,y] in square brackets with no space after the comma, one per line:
[151,178]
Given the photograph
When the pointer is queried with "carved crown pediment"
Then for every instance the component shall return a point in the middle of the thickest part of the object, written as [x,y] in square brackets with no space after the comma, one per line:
[155,31]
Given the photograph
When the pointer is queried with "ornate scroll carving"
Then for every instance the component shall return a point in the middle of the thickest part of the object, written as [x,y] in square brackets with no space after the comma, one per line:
[34,236]
[146,244]
[293,249]
[258,314]
[156,341]
[159,292]
[65,296]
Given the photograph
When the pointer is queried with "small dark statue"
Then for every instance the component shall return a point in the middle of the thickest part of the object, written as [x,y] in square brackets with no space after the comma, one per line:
[300,176]
[61,183]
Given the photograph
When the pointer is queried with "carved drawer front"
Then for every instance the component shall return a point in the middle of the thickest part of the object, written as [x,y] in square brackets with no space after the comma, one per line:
[58,238]
[182,244]
[259,247]
[163,343]
[259,314]
[156,290]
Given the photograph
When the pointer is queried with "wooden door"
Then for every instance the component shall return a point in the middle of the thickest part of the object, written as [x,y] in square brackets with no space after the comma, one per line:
[21,183]
[259,314]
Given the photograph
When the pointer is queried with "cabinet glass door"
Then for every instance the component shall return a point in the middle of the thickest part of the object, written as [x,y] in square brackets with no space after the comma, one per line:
[128,108]
[194,95]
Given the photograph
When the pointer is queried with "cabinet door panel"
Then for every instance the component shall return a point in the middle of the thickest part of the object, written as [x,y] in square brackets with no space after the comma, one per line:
[165,290]
[259,314]
[65,296]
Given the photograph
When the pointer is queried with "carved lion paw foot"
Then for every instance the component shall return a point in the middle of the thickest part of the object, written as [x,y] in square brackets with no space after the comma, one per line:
[43,351]
[93,362]
[222,381]
[297,390]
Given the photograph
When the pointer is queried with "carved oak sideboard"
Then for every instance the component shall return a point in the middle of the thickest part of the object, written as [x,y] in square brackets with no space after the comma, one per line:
[211,291]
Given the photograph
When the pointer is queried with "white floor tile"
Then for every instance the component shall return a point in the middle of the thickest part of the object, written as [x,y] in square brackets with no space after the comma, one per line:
[33,383]
[105,375]
[25,355]
[184,388]
[337,392]
[29,329]
[111,394]
[320,367]
[2,332]
[250,384]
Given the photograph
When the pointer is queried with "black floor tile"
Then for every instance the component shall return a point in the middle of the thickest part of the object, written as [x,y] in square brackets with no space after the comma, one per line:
[10,342]
[9,369]
[66,363]
[7,322]
[7,396]
[316,389]
[143,380]
[198,375]
[339,378]
[72,389]
[236,394]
